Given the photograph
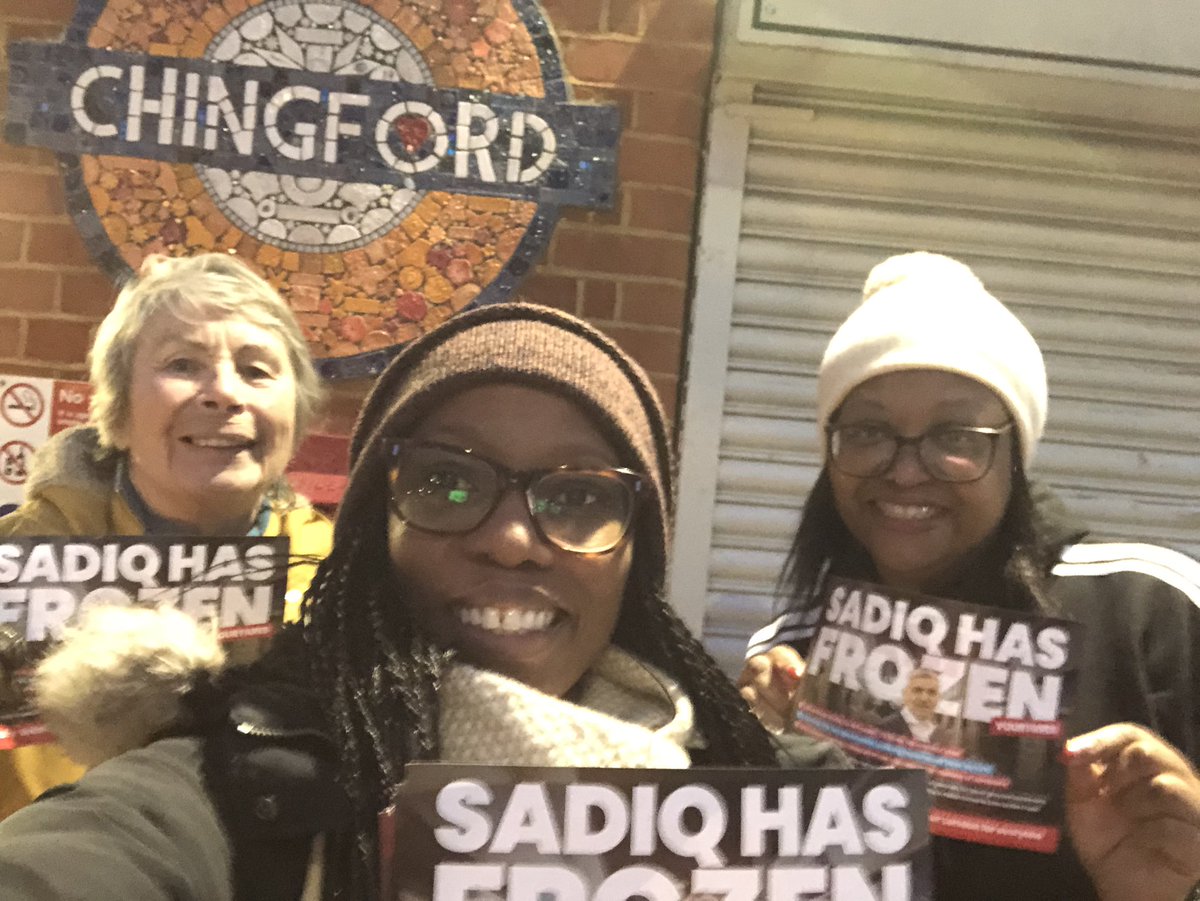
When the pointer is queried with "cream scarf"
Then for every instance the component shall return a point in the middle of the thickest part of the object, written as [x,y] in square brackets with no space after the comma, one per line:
[627,714]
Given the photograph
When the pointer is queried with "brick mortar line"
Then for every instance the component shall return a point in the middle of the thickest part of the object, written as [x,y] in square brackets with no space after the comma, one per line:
[660,138]
[621,37]
[631,88]
[596,275]
[72,318]
[573,227]
[50,168]
[58,268]
[569,272]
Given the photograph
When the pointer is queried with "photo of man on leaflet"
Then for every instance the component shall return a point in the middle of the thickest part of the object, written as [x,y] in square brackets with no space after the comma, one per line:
[917,717]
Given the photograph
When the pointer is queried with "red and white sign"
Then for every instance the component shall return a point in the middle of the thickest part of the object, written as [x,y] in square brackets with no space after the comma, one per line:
[31,410]
[22,404]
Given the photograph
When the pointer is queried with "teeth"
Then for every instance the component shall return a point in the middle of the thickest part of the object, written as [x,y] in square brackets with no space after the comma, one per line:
[906,511]
[220,442]
[536,620]
[506,622]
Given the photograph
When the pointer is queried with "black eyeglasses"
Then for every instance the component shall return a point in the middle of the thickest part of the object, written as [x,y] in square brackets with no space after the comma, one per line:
[949,453]
[449,490]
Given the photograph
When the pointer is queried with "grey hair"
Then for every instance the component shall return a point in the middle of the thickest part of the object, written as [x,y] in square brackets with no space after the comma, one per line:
[119,678]
[924,672]
[190,288]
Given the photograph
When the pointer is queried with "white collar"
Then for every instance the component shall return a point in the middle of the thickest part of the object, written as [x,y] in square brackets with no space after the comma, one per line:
[922,729]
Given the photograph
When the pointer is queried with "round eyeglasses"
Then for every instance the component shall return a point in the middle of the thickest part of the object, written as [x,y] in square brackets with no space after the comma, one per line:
[949,453]
[448,490]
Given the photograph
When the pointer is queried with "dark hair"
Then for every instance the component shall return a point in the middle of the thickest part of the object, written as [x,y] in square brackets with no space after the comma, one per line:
[1013,571]
[376,674]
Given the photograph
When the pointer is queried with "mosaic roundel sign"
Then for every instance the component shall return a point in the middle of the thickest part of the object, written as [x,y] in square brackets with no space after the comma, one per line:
[384,164]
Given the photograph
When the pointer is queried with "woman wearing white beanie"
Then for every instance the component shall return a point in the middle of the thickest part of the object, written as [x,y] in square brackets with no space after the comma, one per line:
[932,396]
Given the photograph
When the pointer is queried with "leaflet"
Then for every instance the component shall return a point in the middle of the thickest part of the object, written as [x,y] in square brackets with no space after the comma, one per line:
[459,833]
[235,584]
[974,695]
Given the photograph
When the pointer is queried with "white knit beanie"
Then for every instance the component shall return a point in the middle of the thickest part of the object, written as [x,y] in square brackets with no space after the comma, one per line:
[927,311]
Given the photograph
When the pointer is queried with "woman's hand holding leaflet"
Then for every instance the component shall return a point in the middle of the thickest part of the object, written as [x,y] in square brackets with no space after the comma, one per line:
[1133,811]
[768,683]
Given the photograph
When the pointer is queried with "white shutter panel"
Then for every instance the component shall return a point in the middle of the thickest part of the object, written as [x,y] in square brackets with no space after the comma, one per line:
[1089,234]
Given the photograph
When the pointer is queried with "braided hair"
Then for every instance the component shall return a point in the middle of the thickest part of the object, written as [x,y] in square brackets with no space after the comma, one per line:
[374,670]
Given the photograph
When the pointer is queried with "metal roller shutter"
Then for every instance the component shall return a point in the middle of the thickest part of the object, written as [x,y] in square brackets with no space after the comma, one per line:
[1087,230]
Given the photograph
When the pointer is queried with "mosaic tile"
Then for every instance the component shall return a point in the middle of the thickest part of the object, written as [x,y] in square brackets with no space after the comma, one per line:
[375,159]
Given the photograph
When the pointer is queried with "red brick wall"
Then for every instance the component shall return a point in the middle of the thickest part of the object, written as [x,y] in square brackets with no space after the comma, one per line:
[51,295]
[626,269]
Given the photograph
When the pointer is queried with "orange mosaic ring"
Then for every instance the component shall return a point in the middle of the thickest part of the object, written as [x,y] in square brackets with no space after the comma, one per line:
[365,266]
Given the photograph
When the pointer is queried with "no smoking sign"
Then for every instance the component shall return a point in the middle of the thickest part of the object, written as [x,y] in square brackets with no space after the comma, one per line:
[22,404]
[31,410]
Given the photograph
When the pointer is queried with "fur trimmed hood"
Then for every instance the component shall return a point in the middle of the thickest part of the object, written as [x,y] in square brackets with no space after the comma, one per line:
[121,678]
[125,676]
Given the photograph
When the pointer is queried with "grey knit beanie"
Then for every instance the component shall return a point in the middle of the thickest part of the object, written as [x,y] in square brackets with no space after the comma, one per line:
[536,346]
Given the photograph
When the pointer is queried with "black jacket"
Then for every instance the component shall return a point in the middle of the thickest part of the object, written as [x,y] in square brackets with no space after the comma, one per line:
[1139,662]
[898,725]
[227,813]
[137,827]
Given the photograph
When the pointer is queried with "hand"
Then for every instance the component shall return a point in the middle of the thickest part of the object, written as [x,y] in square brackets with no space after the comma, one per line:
[768,682]
[1133,811]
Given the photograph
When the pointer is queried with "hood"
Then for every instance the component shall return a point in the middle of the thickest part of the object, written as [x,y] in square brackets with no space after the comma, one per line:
[71,459]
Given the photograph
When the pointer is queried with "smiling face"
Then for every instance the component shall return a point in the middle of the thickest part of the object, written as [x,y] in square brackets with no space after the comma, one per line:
[501,595]
[920,532]
[211,426]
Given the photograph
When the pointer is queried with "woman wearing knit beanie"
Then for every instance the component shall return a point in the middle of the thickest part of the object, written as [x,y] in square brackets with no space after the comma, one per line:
[932,397]
[494,595]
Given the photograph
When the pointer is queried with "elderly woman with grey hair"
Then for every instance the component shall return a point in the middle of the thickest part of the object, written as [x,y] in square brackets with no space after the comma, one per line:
[203,389]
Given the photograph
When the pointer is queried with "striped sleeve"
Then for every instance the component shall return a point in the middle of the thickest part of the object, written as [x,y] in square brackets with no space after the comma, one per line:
[1170,567]
[793,627]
